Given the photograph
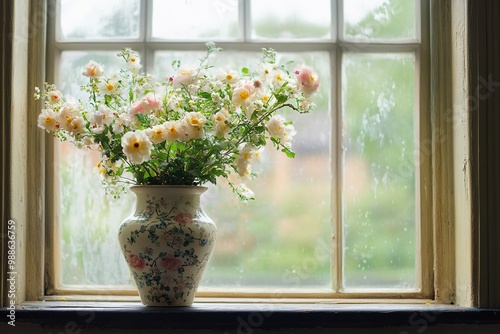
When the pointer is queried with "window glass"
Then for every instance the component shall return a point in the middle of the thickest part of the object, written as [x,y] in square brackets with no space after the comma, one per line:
[378,96]
[379,19]
[291,19]
[97,19]
[195,19]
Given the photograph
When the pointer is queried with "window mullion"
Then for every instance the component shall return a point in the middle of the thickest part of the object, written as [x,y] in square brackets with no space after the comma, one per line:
[245,18]
[337,156]
[146,18]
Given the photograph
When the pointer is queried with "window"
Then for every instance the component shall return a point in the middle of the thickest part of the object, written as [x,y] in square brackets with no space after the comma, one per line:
[341,219]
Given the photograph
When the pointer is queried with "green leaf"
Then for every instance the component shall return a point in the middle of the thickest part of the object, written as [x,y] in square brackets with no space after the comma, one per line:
[288,152]
[206,95]
[143,119]
[281,99]
[244,70]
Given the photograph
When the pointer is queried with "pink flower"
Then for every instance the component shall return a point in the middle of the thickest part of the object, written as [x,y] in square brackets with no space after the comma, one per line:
[171,263]
[183,218]
[152,103]
[136,262]
[307,79]
[145,104]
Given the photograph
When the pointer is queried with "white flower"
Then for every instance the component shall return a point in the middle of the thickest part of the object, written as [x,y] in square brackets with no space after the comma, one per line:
[243,167]
[66,117]
[248,155]
[54,96]
[121,122]
[157,134]
[227,76]
[136,146]
[266,71]
[195,119]
[221,123]
[184,77]
[109,86]
[117,127]
[97,129]
[243,95]
[103,116]
[48,120]
[77,125]
[134,64]
[278,78]
[192,126]
[173,130]
[93,70]
[279,128]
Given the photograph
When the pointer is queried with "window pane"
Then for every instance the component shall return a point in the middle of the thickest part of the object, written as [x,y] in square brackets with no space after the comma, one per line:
[89,253]
[291,19]
[97,19]
[378,94]
[195,19]
[379,19]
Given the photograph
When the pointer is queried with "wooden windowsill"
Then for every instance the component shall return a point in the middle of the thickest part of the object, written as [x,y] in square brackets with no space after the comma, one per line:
[217,317]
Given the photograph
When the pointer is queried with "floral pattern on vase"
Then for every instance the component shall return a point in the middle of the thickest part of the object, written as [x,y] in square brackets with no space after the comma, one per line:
[167,243]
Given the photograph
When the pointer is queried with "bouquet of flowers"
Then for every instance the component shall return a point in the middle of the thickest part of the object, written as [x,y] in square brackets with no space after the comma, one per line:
[191,128]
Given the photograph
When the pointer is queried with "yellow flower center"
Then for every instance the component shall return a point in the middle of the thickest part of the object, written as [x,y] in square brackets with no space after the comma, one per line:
[185,73]
[195,121]
[229,77]
[172,130]
[159,132]
[133,59]
[265,98]
[110,86]
[278,77]
[244,95]
[312,78]
[49,120]
[246,155]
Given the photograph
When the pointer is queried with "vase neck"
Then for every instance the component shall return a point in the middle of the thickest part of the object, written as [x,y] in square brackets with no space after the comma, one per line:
[153,200]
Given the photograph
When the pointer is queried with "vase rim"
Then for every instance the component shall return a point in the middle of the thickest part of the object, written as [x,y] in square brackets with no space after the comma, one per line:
[200,189]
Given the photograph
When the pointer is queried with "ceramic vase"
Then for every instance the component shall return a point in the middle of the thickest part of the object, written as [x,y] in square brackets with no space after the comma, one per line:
[167,243]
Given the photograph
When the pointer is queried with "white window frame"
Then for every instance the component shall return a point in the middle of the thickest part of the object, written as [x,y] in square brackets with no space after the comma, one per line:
[147,46]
